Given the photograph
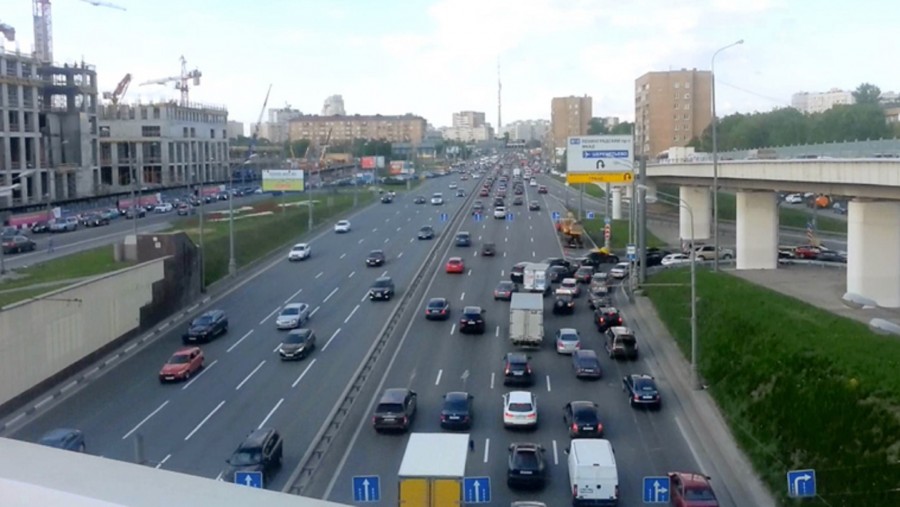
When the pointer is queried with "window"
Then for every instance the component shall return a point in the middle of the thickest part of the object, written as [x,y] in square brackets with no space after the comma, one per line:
[677,127]
[104,131]
[150,131]
[155,113]
[193,132]
[130,113]
[184,132]
[677,85]
[212,133]
[687,116]
[687,84]
[143,113]
[687,106]
[687,96]
[676,105]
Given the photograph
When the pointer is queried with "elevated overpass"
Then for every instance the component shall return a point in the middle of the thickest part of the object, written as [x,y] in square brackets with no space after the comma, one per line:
[873,219]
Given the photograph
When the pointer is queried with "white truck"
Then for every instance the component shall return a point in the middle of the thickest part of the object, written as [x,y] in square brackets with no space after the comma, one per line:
[428,482]
[593,475]
[517,173]
[536,278]
[526,320]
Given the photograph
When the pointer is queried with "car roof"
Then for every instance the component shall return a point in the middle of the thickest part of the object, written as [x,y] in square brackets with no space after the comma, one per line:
[472,309]
[526,446]
[303,331]
[641,376]
[620,330]
[377,251]
[58,434]
[294,305]
[462,232]
[691,479]
[582,405]
[569,280]
[343,221]
[517,357]
[301,245]
[185,351]
[585,354]
[437,300]
[456,396]
[568,330]
[520,397]
[256,438]
[212,313]
[383,279]
[454,259]
[394,395]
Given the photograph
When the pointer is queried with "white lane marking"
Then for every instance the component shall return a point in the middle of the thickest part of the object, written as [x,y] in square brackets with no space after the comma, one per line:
[400,255]
[304,373]
[163,461]
[484,226]
[452,328]
[506,240]
[16,419]
[384,274]
[288,300]
[219,477]
[507,227]
[239,341]
[330,294]
[462,296]
[365,296]
[469,273]
[398,229]
[533,254]
[320,274]
[479,238]
[261,363]
[530,228]
[504,254]
[144,419]
[269,316]
[333,336]
[207,418]
[359,242]
[532,239]
[276,348]
[492,380]
[264,421]
[411,240]
[438,380]
[375,229]
[314,311]
[342,256]
[351,274]
[487,448]
[497,332]
[555,454]
[130,348]
[501,272]
[204,370]
[386,240]
[351,314]
[68,386]
[43,402]
[548,383]
[690,445]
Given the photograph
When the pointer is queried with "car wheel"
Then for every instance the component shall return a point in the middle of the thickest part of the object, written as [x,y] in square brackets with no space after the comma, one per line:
[726,256]
[187,375]
[82,447]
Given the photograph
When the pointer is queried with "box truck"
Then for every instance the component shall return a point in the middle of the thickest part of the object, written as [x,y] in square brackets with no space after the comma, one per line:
[536,278]
[593,476]
[432,470]
[526,320]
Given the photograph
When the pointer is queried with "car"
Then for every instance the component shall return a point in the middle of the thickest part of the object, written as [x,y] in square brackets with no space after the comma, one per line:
[517,273]
[183,363]
[68,439]
[654,256]
[567,340]
[542,189]
[463,239]
[641,390]
[520,410]
[691,490]
[674,259]
[437,309]
[568,286]
[375,258]
[292,316]
[163,207]
[569,267]
[40,227]
[261,451]
[620,343]
[95,219]
[206,327]
[420,199]
[472,320]
[425,232]
[132,212]
[488,250]
[453,186]
[387,199]
[504,290]
[518,201]
[484,192]
[598,297]
[557,273]
[534,206]
[832,256]
[620,270]
[17,244]
[708,253]
[456,412]
[582,419]
[500,212]
[342,226]
[793,199]
[606,317]
[586,364]
[598,258]
[532,183]
[437,199]
[584,274]
[299,252]
[184,210]
[478,208]
[460,193]
[298,344]
[563,305]
[526,466]
[396,410]
[382,288]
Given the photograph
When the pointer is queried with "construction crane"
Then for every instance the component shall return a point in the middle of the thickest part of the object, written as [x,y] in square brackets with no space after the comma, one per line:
[43,26]
[8,31]
[182,82]
[120,90]
[255,136]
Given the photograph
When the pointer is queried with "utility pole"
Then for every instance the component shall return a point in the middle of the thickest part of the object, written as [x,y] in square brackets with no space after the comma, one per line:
[200,219]
[232,261]
[642,214]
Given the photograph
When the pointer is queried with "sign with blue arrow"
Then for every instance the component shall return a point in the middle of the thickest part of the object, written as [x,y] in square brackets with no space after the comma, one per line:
[366,488]
[590,215]
[249,479]
[510,217]
[478,217]
[555,216]
[801,483]
[477,489]
[656,489]
[444,217]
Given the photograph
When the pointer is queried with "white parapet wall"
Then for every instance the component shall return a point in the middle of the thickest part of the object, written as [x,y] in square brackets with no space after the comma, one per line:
[41,337]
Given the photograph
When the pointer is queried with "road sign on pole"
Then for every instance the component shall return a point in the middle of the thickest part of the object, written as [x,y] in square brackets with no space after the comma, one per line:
[656,489]
[510,217]
[801,483]
[590,215]
[477,489]
[249,479]
[555,216]
[600,159]
[631,251]
[366,488]
[478,217]
[444,217]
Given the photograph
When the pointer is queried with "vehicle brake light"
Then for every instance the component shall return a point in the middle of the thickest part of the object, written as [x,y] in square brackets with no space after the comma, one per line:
[528,370]
[506,371]
[637,397]
[575,427]
[443,417]
[575,490]
[507,414]
[532,415]
[620,320]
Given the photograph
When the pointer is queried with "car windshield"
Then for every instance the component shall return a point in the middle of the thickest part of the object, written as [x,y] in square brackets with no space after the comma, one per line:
[179,359]
[644,385]
[585,415]
[505,286]
[700,493]
[520,407]
[382,284]
[246,457]
[436,303]
[587,361]
[203,321]
[472,312]
[295,338]
[456,404]
[626,340]
[568,337]
[290,311]
[525,459]
[300,247]
[389,408]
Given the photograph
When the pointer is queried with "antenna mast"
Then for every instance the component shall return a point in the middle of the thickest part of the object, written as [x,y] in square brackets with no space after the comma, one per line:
[499,100]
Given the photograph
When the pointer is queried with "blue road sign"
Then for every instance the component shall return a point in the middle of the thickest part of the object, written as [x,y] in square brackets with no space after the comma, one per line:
[250,479]
[444,217]
[590,215]
[510,217]
[477,489]
[801,483]
[656,489]
[366,488]
[554,215]
[478,217]
[604,154]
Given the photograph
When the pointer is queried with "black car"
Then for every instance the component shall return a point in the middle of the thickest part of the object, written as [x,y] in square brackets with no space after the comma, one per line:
[505,290]
[641,391]
[456,413]
[556,273]
[472,320]
[606,317]
[395,410]
[437,309]
[94,220]
[488,250]
[375,258]
[17,244]
[655,256]
[534,206]
[460,192]
[584,274]
[298,344]
[526,466]
[387,198]
[582,419]
[261,451]
[568,265]
[140,212]
[64,438]
[564,305]
[586,364]
[517,369]
[383,288]
[40,227]
[420,199]
[518,201]
[517,273]
[206,327]
[426,232]
[463,239]
[595,259]
[830,256]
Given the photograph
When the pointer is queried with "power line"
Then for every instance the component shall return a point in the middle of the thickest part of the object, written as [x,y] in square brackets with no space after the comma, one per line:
[750,92]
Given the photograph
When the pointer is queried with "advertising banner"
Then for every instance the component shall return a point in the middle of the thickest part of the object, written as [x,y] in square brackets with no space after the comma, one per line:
[396,167]
[368,163]
[379,162]
[283,180]
[144,200]
[29,218]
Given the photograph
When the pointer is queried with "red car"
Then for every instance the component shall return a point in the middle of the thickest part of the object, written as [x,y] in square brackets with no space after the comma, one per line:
[691,490]
[542,189]
[182,365]
[807,252]
[484,192]
[455,265]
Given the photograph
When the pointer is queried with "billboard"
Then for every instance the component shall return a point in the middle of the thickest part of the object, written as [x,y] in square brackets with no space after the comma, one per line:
[367,163]
[27,219]
[282,180]
[143,200]
[600,159]
[397,167]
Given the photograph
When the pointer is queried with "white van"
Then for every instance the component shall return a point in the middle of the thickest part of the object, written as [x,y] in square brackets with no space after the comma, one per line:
[593,476]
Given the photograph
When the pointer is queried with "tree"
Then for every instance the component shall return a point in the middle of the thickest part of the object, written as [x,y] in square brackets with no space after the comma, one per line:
[624,128]
[867,93]
[300,146]
[596,127]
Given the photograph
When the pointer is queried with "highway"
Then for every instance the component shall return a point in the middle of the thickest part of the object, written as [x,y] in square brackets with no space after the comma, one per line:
[435,358]
[194,427]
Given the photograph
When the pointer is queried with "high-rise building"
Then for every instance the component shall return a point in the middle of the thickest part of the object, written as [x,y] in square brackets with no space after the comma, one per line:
[235,129]
[569,116]
[405,128]
[334,106]
[468,119]
[818,102]
[670,109]
[469,134]
[527,130]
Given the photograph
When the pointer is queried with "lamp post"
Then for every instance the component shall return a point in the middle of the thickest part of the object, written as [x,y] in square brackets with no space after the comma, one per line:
[201,198]
[232,262]
[715,149]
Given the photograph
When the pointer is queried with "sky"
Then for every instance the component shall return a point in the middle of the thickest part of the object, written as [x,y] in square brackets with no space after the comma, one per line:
[434,57]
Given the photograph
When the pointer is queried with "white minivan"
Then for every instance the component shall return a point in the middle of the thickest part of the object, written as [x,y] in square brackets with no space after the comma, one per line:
[593,476]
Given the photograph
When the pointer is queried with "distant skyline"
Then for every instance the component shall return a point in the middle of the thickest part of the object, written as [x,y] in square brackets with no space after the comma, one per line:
[435,57]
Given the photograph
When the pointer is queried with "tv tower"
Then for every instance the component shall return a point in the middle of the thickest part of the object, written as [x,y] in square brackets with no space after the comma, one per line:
[499,100]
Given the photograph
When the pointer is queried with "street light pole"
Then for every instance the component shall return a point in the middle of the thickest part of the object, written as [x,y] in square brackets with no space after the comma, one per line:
[200,219]
[232,262]
[715,149]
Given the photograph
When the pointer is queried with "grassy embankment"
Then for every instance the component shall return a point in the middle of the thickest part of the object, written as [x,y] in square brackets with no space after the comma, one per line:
[800,387]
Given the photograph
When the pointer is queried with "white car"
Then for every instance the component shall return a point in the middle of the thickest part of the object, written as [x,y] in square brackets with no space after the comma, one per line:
[569,286]
[520,410]
[164,207]
[437,199]
[793,199]
[292,316]
[532,183]
[500,212]
[567,341]
[675,259]
[620,270]
[342,226]
[453,186]
[299,252]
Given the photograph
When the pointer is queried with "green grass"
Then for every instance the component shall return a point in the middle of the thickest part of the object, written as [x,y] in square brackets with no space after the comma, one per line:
[8,298]
[78,265]
[618,239]
[800,387]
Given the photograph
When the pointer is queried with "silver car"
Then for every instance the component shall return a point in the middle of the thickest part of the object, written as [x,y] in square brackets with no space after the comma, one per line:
[567,341]
[292,316]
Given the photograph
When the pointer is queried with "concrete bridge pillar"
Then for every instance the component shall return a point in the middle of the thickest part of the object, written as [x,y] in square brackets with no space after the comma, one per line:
[757,230]
[700,201]
[873,251]
[616,203]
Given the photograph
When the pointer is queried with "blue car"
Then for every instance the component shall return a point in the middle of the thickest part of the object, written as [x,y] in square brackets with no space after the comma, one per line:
[64,438]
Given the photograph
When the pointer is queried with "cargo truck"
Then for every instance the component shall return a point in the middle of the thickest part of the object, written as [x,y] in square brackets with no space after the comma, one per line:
[432,470]
[526,320]
[536,278]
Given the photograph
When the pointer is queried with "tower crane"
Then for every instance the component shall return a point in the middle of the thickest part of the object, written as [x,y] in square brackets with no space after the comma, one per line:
[182,82]
[43,26]
[255,136]
[120,90]
[8,31]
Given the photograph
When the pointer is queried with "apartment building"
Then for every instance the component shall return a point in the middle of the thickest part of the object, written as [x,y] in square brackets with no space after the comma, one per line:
[318,129]
[235,129]
[527,130]
[670,109]
[162,144]
[569,116]
[468,119]
[819,102]
[334,105]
